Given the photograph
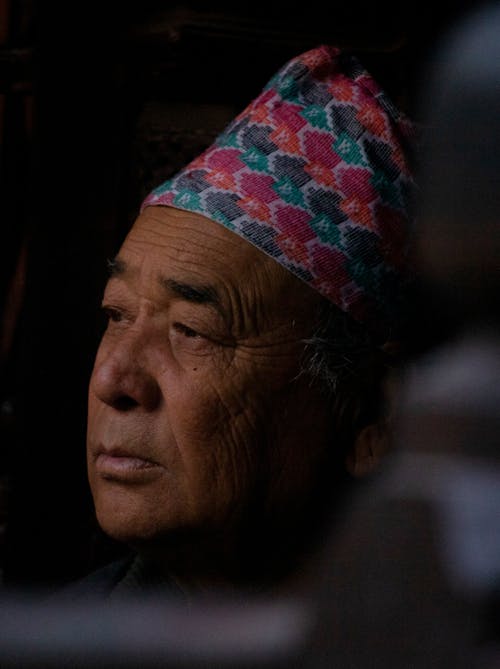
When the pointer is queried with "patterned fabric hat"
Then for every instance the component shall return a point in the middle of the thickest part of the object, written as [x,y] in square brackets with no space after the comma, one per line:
[315,173]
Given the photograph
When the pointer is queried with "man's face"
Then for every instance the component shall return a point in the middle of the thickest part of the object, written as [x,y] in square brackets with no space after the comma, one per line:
[195,407]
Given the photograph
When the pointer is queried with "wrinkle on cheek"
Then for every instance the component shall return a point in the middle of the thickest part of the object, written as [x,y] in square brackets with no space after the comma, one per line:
[224,425]
[233,463]
[247,404]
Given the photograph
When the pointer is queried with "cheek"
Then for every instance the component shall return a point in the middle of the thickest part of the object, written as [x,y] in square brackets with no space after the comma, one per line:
[235,415]
[219,432]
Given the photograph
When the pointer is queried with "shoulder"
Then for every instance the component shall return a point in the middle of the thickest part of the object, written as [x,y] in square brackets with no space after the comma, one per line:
[98,583]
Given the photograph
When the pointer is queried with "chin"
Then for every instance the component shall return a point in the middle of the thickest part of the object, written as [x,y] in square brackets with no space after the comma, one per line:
[129,516]
[127,528]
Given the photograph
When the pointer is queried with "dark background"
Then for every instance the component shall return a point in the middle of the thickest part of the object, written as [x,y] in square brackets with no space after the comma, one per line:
[100,101]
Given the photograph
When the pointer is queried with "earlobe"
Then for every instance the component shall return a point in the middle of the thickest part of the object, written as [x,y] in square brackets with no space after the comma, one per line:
[370,445]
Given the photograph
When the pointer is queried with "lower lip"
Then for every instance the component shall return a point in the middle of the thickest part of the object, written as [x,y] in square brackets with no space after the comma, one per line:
[124,468]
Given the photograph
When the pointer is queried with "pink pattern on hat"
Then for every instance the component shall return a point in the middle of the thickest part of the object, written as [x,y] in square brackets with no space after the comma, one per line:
[259,186]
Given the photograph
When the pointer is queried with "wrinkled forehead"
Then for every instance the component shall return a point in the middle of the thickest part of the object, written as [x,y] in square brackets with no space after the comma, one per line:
[167,247]
[192,242]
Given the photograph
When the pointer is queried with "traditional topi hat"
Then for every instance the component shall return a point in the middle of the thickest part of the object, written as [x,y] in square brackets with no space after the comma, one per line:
[316,173]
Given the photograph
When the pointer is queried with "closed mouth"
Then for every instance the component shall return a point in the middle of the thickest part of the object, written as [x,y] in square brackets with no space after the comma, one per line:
[120,464]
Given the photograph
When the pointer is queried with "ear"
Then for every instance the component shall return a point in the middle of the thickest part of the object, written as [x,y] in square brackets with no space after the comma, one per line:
[369,447]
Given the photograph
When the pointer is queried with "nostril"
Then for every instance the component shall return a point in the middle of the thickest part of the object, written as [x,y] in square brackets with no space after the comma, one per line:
[125,403]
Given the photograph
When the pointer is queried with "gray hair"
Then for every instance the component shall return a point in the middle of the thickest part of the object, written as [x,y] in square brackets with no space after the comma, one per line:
[343,357]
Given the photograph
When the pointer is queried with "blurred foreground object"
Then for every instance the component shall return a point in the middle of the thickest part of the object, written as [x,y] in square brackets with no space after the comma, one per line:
[458,243]
[150,632]
[412,575]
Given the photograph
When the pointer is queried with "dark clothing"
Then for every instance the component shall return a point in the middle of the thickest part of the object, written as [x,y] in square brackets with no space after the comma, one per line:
[123,577]
[102,581]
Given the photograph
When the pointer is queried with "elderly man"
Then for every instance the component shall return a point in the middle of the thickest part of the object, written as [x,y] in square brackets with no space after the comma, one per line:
[237,387]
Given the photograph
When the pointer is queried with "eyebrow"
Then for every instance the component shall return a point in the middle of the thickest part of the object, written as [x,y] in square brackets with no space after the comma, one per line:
[197,294]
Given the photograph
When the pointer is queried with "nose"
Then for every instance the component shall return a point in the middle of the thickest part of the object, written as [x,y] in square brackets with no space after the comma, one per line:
[122,378]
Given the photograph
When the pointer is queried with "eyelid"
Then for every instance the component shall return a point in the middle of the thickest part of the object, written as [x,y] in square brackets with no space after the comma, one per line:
[187,330]
[202,339]
[114,313]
